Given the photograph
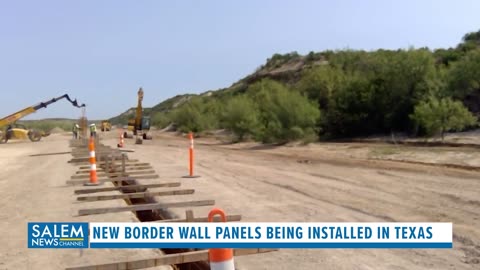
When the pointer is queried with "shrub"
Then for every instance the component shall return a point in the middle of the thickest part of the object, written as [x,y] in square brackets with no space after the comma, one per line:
[442,115]
[241,117]
[197,115]
[285,115]
[161,120]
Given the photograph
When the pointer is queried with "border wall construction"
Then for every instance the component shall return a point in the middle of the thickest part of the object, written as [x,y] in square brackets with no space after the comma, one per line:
[140,187]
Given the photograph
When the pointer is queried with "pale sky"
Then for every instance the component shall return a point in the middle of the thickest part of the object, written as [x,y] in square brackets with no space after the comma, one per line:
[101,52]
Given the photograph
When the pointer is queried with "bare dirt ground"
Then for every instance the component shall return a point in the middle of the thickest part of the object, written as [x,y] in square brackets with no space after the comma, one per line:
[315,183]
[276,184]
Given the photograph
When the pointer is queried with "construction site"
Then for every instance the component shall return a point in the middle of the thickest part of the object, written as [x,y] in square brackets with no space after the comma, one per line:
[300,135]
[157,180]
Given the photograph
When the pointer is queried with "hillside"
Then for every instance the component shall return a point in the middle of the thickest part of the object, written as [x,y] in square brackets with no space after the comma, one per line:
[286,68]
[162,107]
[353,92]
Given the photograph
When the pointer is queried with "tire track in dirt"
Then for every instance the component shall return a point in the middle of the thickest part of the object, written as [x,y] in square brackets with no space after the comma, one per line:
[290,188]
[470,252]
[276,187]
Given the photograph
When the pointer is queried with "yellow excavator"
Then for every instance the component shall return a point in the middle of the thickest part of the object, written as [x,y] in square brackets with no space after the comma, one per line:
[106,126]
[15,131]
[140,125]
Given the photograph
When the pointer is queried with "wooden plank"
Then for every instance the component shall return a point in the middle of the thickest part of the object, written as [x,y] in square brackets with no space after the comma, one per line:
[115,174]
[137,168]
[124,168]
[85,151]
[97,148]
[115,179]
[85,160]
[127,150]
[143,207]
[230,218]
[189,216]
[97,153]
[180,258]
[132,164]
[135,195]
[99,156]
[139,188]
[50,154]
[101,150]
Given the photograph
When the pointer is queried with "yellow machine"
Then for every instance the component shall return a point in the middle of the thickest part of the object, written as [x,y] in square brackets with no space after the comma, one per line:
[106,126]
[21,132]
[140,125]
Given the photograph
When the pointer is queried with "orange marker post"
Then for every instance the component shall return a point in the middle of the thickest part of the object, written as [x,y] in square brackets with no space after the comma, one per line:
[121,143]
[190,136]
[220,258]
[190,155]
[93,165]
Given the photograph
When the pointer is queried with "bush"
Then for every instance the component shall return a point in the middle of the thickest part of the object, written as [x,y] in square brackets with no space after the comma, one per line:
[278,60]
[161,120]
[464,76]
[320,83]
[241,117]
[349,109]
[285,115]
[442,115]
[188,118]
[197,115]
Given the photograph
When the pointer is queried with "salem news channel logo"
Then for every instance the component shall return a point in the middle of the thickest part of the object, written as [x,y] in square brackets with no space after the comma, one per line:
[57,235]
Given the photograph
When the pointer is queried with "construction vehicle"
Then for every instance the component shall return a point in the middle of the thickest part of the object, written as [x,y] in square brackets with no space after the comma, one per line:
[140,125]
[14,130]
[106,126]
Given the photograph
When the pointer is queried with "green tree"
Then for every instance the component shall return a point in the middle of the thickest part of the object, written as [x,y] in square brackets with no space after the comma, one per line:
[241,117]
[211,110]
[470,41]
[285,115]
[446,57]
[441,115]
[352,110]
[464,76]
[401,79]
[188,116]
[160,120]
[197,114]
[320,83]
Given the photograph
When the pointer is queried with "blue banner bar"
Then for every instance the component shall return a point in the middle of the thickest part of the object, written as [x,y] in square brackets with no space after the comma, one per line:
[273,245]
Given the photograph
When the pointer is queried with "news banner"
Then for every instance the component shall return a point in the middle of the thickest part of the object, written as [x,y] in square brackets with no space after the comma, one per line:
[239,235]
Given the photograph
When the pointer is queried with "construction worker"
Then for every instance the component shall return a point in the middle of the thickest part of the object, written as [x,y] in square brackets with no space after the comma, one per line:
[9,133]
[75,131]
[93,130]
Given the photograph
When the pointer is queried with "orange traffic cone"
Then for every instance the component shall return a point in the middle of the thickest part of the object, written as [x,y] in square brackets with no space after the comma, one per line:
[93,165]
[220,258]
[121,140]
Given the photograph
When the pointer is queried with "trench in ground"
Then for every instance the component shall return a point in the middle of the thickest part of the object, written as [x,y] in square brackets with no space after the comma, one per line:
[161,214]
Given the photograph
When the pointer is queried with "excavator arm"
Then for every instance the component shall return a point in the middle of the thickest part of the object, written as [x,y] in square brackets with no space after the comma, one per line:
[22,113]
[140,124]
[139,112]
[32,135]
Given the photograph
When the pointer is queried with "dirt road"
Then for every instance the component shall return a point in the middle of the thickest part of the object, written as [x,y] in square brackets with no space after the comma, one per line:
[279,184]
